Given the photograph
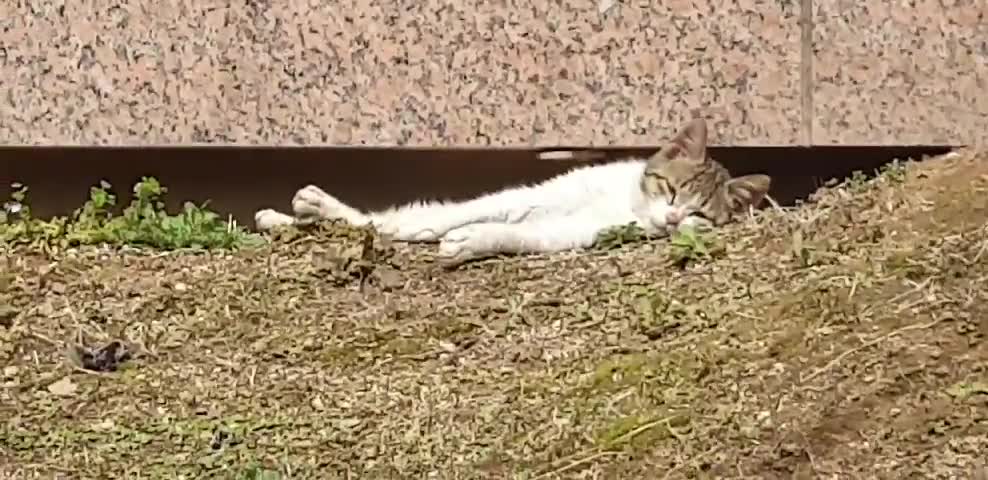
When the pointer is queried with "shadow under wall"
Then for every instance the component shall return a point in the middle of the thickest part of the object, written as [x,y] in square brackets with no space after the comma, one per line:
[240,180]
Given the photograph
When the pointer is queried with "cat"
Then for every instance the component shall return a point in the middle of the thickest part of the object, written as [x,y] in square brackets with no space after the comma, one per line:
[678,186]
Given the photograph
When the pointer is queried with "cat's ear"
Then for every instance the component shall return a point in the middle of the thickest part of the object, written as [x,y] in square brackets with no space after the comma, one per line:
[748,190]
[689,142]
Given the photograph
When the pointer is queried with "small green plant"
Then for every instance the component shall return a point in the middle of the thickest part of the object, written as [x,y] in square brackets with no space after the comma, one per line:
[257,472]
[858,182]
[687,245]
[17,205]
[802,253]
[17,222]
[617,237]
[658,315]
[144,222]
[894,172]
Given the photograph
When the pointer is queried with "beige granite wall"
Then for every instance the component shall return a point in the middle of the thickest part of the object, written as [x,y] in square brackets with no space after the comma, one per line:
[900,72]
[495,72]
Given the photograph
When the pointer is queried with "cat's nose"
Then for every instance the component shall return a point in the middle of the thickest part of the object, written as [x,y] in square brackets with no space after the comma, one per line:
[673,217]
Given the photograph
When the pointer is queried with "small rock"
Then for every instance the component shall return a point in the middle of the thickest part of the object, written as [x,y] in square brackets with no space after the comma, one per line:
[63,387]
[10,371]
[105,425]
[389,278]
[765,418]
[349,423]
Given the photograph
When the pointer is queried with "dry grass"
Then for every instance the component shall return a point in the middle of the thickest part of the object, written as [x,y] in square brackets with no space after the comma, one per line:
[842,339]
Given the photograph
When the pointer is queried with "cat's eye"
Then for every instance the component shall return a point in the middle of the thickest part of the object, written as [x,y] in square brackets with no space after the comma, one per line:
[666,185]
[672,192]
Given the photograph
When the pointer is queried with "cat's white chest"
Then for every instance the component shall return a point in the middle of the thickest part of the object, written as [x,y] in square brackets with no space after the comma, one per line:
[603,195]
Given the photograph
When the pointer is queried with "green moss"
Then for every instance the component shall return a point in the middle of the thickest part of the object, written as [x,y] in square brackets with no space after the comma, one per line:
[657,371]
[617,372]
[402,346]
[638,432]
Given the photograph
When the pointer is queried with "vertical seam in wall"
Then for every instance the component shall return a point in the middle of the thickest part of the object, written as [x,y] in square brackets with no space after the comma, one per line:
[806,69]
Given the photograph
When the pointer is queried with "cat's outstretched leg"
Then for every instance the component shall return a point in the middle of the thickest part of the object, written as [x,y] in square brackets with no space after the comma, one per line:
[312,202]
[417,222]
[422,223]
[430,221]
[545,236]
[268,219]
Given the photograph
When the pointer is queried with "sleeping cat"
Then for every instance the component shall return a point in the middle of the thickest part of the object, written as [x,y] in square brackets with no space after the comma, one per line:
[678,186]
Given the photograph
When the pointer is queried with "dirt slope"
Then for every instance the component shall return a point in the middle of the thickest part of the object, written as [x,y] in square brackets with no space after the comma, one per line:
[842,339]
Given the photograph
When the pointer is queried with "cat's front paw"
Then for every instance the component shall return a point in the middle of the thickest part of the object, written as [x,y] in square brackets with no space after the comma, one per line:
[312,201]
[465,243]
[268,219]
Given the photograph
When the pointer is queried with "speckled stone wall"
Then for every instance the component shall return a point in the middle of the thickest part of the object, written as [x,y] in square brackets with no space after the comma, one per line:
[900,72]
[486,72]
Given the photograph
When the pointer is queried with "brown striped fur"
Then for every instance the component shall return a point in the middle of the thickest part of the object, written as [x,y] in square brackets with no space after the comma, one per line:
[685,174]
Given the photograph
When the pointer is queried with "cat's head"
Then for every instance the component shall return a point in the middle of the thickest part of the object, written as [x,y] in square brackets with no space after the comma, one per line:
[684,186]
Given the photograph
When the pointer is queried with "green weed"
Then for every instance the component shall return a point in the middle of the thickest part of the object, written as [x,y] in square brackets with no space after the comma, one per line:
[619,236]
[144,222]
[688,245]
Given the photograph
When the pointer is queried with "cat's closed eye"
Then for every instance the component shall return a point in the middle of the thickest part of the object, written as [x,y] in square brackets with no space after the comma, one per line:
[665,186]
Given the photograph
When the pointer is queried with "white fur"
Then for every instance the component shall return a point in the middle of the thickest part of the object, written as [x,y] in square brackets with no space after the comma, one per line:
[562,213]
